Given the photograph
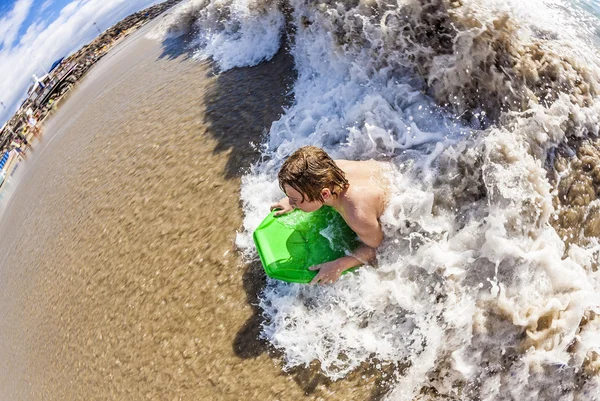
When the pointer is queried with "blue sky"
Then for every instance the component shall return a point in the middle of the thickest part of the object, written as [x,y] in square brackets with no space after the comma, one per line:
[35,33]
[40,10]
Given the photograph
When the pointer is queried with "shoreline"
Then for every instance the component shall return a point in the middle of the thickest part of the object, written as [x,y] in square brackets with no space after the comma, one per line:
[74,68]
[40,140]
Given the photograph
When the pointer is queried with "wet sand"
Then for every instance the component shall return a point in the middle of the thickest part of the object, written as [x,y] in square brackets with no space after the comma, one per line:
[119,278]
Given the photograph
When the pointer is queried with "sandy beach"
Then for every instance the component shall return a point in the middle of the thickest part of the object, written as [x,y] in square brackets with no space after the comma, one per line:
[119,278]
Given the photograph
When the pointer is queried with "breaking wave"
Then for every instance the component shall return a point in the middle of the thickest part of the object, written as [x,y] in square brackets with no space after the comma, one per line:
[487,285]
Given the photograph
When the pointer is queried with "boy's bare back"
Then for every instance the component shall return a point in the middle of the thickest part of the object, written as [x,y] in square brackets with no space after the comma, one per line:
[366,197]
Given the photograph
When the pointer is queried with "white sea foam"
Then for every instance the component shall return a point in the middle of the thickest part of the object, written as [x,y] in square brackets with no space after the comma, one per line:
[234,33]
[475,293]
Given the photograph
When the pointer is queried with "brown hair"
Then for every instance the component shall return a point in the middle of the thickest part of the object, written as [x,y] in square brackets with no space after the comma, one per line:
[310,169]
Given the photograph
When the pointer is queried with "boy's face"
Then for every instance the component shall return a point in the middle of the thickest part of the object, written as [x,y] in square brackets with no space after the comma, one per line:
[296,201]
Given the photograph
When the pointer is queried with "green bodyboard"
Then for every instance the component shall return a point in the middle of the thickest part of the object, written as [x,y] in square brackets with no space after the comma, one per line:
[288,245]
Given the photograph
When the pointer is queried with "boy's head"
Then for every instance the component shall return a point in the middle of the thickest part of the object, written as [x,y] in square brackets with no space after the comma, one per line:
[313,174]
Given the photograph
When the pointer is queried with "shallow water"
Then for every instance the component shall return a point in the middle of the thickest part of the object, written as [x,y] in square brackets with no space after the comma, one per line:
[120,278]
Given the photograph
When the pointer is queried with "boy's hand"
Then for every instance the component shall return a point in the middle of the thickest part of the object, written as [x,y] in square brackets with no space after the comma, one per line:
[283,205]
[328,272]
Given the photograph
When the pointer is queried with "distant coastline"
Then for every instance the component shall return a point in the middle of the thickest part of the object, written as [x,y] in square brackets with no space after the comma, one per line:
[45,95]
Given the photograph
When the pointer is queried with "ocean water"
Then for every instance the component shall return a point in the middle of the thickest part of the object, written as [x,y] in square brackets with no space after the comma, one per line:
[487,285]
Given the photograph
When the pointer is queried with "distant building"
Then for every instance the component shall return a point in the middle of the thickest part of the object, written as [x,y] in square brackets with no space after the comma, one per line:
[38,86]
[53,82]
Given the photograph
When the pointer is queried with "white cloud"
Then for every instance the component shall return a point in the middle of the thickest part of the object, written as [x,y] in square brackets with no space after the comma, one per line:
[45,5]
[46,41]
[11,22]
[33,31]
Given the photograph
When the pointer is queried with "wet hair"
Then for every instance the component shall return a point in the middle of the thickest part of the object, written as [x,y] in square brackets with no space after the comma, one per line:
[310,169]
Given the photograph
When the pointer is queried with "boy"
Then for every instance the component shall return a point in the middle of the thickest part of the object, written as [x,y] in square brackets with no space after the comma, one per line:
[356,189]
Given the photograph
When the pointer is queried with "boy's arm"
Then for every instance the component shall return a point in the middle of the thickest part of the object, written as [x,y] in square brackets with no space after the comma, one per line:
[370,233]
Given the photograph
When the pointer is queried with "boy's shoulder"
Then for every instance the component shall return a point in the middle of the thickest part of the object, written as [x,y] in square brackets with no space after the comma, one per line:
[362,204]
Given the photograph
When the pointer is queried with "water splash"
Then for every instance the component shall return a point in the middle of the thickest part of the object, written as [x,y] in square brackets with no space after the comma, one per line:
[477,106]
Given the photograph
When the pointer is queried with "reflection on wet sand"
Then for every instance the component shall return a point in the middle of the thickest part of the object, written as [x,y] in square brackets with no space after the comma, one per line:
[119,277]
